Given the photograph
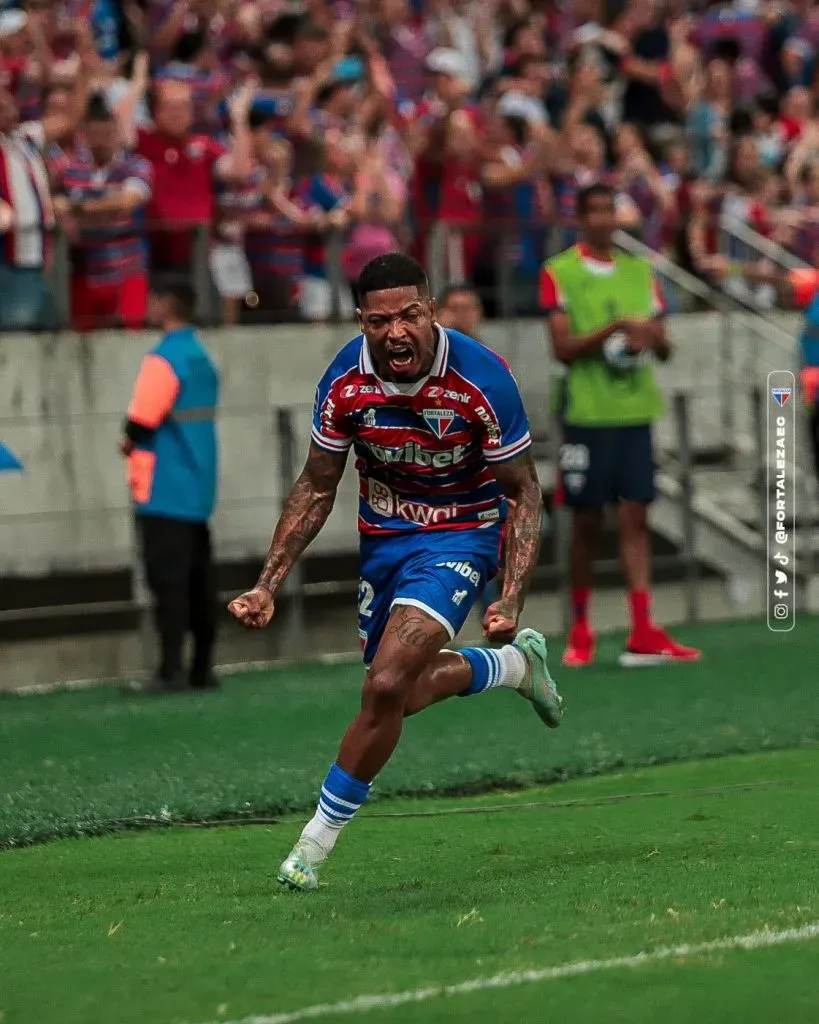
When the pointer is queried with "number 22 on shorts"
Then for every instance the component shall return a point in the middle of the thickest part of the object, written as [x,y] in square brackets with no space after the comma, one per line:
[366,595]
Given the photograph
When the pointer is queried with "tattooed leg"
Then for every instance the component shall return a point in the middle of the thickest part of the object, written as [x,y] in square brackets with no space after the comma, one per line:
[412,641]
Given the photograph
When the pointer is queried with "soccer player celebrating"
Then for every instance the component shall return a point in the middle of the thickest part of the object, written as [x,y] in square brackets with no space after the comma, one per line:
[605,320]
[443,453]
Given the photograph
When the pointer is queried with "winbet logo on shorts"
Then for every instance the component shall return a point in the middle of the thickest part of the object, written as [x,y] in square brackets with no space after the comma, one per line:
[464,569]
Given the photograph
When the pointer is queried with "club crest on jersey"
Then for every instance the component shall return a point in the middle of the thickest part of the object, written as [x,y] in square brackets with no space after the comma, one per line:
[438,420]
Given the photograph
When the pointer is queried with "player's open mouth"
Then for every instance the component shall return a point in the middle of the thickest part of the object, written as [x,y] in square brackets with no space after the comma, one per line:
[401,358]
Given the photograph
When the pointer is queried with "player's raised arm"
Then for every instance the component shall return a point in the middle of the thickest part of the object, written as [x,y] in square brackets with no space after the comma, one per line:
[518,478]
[306,510]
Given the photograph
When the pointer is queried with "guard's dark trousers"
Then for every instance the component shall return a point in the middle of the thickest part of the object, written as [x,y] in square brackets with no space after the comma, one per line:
[180,575]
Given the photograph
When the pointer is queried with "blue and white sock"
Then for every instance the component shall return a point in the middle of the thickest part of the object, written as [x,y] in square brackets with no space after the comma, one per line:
[491,668]
[341,796]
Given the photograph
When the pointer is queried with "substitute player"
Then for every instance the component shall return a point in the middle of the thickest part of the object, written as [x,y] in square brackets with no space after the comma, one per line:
[442,449]
[605,319]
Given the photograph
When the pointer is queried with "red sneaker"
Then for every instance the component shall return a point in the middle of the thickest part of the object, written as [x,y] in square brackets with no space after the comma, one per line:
[653,646]
[579,647]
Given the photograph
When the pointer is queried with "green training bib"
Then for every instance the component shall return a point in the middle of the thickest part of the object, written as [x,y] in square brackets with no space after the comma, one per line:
[593,394]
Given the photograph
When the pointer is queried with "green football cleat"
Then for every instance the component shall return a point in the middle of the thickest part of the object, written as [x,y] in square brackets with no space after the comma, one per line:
[297,873]
[538,687]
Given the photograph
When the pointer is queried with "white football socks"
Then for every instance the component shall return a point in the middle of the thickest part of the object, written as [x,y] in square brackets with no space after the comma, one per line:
[513,666]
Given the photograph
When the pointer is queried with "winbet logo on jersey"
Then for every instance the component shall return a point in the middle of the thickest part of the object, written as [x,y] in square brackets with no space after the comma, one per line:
[415,455]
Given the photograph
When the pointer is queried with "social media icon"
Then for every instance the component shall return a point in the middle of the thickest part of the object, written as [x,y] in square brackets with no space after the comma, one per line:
[781,577]
[780,611]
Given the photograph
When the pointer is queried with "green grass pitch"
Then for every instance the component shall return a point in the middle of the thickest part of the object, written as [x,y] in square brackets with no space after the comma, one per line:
[690,814]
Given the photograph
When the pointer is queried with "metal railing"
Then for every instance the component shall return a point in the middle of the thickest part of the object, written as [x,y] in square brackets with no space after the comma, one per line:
[739,240]
[503,259]
[778,346]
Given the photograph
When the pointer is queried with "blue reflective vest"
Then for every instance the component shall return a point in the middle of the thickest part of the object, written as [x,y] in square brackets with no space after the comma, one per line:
[184,466]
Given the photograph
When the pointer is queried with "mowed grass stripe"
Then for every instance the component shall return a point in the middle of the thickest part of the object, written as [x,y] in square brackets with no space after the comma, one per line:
[79,763]
[189,925]
[763,939]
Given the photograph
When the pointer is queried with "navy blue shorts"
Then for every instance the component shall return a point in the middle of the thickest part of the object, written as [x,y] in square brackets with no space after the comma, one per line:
[604,465]
[440,572]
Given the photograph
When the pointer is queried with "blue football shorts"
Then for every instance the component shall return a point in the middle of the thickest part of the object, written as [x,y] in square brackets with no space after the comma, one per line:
[605,465]
[440,572]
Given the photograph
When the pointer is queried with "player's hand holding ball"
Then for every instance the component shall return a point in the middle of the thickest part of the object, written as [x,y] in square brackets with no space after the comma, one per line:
[254,609]
[500,624]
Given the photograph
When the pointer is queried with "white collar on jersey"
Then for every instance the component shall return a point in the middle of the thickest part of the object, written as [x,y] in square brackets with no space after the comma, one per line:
[439,367]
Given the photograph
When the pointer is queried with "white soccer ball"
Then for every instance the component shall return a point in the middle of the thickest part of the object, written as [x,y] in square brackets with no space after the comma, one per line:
[617,355]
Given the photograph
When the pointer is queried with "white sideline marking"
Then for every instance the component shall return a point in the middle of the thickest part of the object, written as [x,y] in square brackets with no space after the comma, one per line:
[361,1004]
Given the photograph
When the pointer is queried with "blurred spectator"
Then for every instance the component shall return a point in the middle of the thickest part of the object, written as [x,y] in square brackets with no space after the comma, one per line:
[259,253]
[637,176]
[26,211]
[194,61]
[459,307]
[806,238]
[164,22]
[103,195]
[377,211]
[708,123]
[25,57]
[330,190]
[517,155]
[277,235]
[468,27]
[646,67]
[442,133]
[405,43]
[185,166]
[59,151]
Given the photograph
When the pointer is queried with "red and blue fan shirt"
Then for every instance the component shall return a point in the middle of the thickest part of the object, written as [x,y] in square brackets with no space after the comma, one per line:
[322,191]
[116,248]
[424,452]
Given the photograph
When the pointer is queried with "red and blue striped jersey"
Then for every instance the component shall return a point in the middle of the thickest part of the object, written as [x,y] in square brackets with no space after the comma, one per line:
[116,247]
[424,452]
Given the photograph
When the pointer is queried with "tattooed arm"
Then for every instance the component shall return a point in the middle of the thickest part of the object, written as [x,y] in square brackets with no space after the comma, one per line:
[518,478]
[305,512]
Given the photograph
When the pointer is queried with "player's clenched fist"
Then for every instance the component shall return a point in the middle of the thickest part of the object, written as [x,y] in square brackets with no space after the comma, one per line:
[500,623]
[254,609]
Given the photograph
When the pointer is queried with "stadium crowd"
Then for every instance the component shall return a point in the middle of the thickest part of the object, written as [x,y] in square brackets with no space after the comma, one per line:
[280,146]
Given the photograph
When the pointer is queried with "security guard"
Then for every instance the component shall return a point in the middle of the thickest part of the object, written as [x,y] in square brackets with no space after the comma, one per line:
[170,444]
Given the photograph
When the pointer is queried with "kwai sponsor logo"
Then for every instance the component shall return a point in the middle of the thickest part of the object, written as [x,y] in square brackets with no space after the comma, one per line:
[384,501]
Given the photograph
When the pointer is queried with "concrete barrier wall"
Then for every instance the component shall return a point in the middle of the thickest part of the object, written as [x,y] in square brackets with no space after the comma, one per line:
[62,400]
